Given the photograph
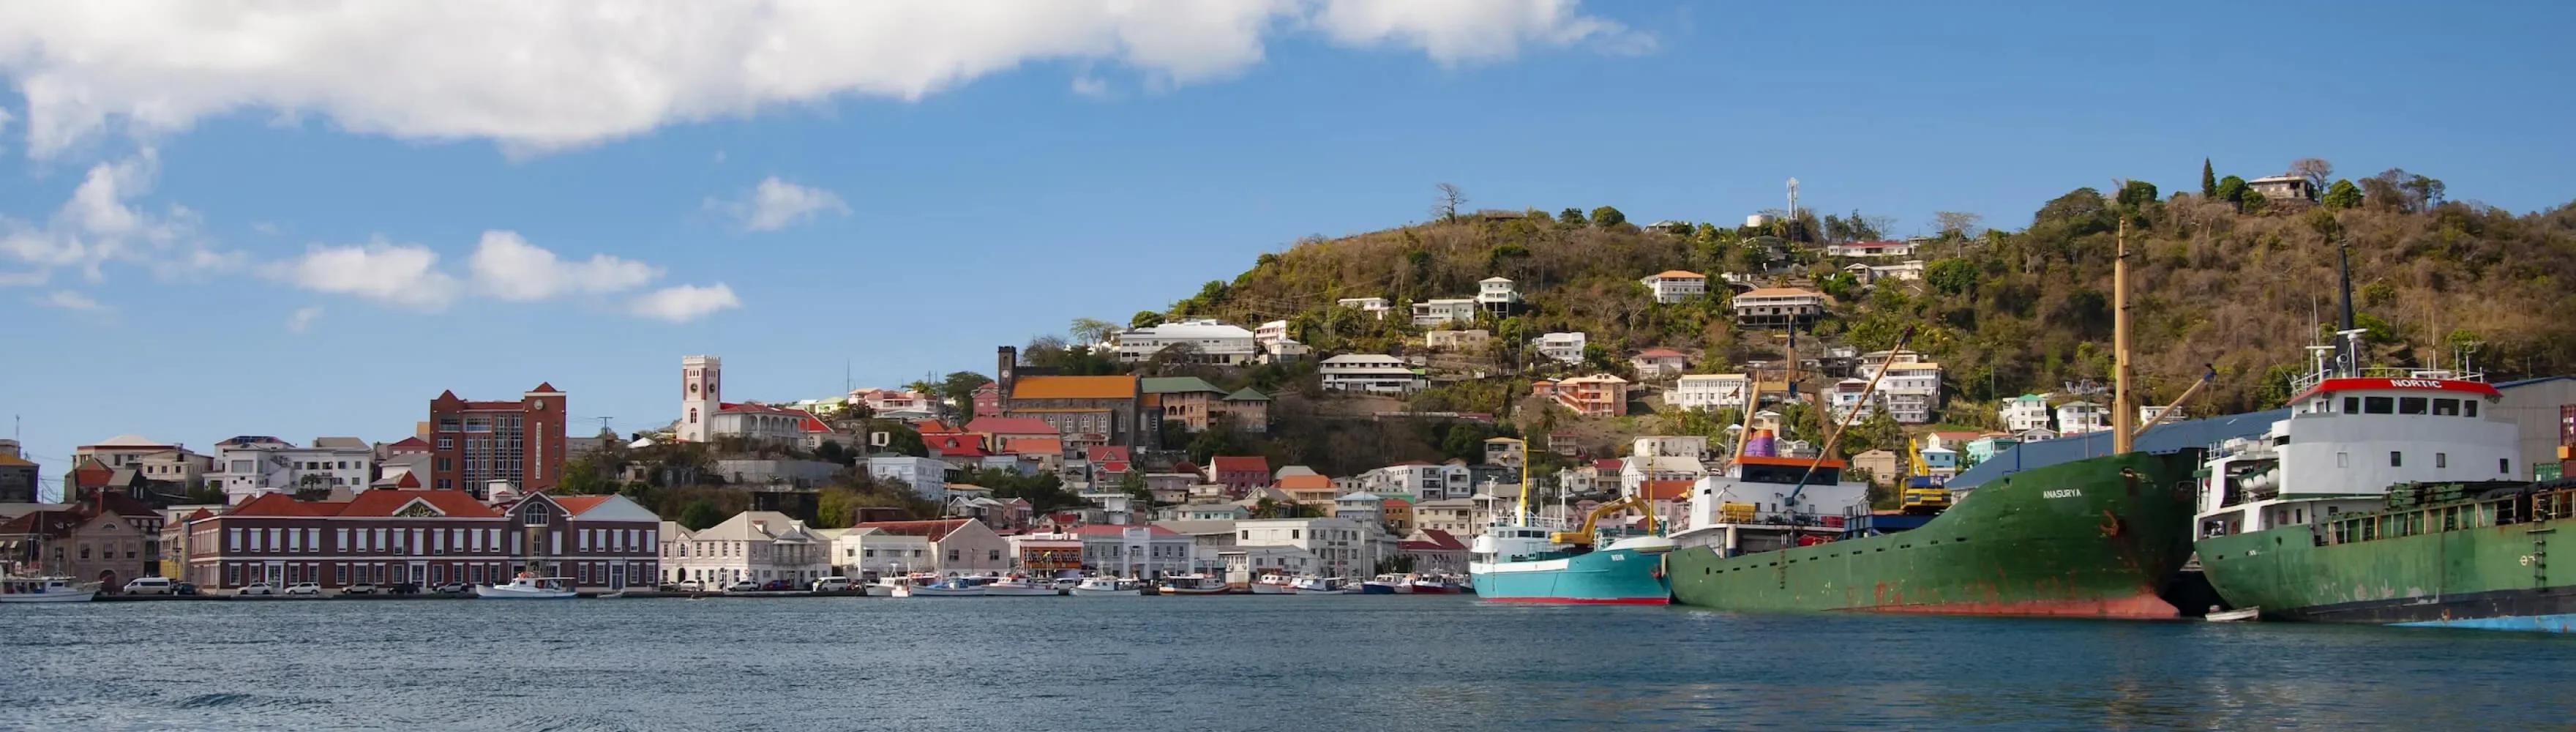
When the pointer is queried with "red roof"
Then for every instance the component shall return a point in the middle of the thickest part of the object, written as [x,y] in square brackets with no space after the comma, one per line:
[1113,467]
[1241,464]
[456,504]
[577,505]
[201,513]
[1606,464]
[1110,530]
[280,504]
[1434,539]
[1664,490]
[1108,453]
[1033,446]
[956,445]
[933,530]
[1661,353]
[407,444]
[1012,426]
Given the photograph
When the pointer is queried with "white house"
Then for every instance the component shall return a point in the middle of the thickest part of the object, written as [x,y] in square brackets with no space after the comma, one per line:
[1674,286]
[2075,418]
[2025,413]
[1694,447]
[1342,547]
[1561,347]
[862,552]
[1269,333]
[1434,312]
[1846,395]
[1457,340]
[1363,508]
[1134,551]
[1659,363]
[1635,470]
[1374,373]
[767,423]
[1912,391]
[1911,269]
[1424,481]
[249,466]
[1709,392]
[1205,341]
[1243,564]
[754,546]
[2147,415]
[1778,306]
[1374,306]
[927,476]
[1497,294]
[1869,249]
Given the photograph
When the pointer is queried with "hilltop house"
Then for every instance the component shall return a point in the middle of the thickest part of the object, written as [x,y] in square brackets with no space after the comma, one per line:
[2025,413]
[1497,295]
[1373,306]
[1778,306]
[1373,373]
[1195,403]
[1658,363]
[1457,340]
[1203,341]
[1565,348]
[1709,392]
[2079,417]
[1595,395]
[1676,286]
[1871,249]
[1442,311]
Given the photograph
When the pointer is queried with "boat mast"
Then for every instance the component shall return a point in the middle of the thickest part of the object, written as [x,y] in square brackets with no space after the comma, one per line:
[1525,470]
[2121,417]
[2347,348]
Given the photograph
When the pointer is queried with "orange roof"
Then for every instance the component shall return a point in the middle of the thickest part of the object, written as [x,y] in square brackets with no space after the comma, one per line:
[1675,274]
[1664,490]
[1780,292]
[1074,387]
[1033,446]
[456,504]
[1243,464]
[1305,482]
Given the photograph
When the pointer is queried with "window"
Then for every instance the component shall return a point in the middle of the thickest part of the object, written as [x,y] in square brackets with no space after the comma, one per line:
[581,540]
[993,555]
[2396,459]
[2504,466]
[294,543]
[344,539]
[232,541]
[2410,405]
[232,574]
[2446,407]
[2378,405]
[534,515]
[2468,407]
[2343,460]
[871,553]
[339,573]
[2441,460]
[952,554]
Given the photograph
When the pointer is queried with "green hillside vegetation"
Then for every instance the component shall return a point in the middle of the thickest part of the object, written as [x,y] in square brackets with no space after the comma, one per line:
[2224,278]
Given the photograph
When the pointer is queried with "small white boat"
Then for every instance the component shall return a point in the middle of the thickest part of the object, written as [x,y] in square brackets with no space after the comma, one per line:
[2233,616]
[1431,584]
[1321,586]
[1106,586]
[1195,584]
[951,588]
[527,586]
[1020,587]
[1387,584]
[1271,584]
[15,590]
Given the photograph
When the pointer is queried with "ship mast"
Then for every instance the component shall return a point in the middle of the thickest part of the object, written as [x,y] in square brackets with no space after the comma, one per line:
[2121,416]
[2347,343]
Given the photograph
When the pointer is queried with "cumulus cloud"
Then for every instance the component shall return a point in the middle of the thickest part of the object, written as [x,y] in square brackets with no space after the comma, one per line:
[302,319]
[776,204]
[508,267]
[69,300]
[401,275]
[541,76]
[100,225]
[504,266]
[685,303]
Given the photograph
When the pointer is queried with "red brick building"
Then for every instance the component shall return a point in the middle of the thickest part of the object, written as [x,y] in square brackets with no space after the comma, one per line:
[1239,473]
[428,537]
[474,443]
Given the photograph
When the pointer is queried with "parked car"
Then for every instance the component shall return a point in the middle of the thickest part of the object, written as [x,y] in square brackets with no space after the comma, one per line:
[688,586]
[743,586]
[183,588]
[256,588]
[149,586]
[454,588]
[362,588]
[403,588]
[305,589]
[777,585]
[832,584]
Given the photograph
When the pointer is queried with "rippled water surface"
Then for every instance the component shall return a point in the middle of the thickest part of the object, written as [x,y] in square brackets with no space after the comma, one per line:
[1229,663]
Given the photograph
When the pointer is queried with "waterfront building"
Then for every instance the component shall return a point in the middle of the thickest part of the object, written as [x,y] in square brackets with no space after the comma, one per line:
[248,466]
[752,546]
[1134,551]
[106,537]
[424,536]
[17,474]
[957,546]
[474,443]
[864,551]
[1453,515]
[1433,550]
[1342,547]
[1676,286]
[1363,508]
[1243,564]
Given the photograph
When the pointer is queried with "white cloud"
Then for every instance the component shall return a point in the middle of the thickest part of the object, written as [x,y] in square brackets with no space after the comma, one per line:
[400,275]
[302,319]
[776,204]
[541,76]
[1090,86]
[684,303]
[99,225]
[507,266]
[24,279]
[69,300]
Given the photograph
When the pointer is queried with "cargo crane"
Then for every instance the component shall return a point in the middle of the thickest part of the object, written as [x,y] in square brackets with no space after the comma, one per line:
[1917,493]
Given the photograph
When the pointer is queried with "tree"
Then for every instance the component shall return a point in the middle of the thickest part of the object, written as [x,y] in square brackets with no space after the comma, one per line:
[2137,193]
[1133,484]
[1952,276]
[958,387]
[1145,319]
[582,478]
[1450,199]
[1606,217]
[1571,217]
[1959,224]
[1839,285]
[2343,194]
[700,514]
[2316,170]
[2208,180]
[1088,331]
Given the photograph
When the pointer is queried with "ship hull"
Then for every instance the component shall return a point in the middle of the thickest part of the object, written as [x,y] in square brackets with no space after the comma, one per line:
[2089,538]
[1603,577]
[2489,577]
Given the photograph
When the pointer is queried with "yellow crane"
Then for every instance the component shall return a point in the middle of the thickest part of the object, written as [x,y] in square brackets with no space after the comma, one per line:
[1583,536]
[1926,498]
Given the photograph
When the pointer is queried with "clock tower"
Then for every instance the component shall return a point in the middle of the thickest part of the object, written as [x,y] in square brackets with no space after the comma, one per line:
[701,395]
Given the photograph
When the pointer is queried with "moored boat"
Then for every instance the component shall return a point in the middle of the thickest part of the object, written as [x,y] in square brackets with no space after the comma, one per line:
[955,587]
[528,586]
[1020,587]
[1194,584]
[30,590]
[1526,563]
[1312,585]
[1105,586]
[1271,584]
[1387,584]
[1430,584]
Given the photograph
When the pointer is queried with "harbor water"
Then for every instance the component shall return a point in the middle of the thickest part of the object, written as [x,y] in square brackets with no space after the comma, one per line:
[1230,663]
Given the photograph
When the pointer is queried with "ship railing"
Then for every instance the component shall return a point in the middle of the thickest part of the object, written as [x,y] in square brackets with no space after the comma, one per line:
[2303,382]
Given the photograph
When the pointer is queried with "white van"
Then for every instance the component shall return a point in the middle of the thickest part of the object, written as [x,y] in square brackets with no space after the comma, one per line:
[832,584]
[148,586]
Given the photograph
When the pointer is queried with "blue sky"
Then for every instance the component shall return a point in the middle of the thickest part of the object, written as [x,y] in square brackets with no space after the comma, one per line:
[948,180]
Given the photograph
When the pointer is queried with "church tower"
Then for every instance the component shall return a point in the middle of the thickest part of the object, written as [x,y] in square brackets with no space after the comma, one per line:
[701,395]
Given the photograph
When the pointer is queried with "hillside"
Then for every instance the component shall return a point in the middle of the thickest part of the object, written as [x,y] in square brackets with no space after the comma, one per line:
[2241,286]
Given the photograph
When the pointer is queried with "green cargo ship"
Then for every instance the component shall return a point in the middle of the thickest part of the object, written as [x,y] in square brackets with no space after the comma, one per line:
[2093,538]
[2473,556]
